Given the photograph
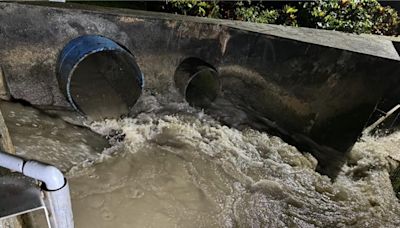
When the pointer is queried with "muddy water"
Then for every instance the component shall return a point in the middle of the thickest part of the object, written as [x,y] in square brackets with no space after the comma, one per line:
[48,138]
[187,170]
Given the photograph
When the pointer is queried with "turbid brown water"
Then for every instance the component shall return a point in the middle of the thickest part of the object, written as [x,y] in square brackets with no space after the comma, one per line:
[188,170]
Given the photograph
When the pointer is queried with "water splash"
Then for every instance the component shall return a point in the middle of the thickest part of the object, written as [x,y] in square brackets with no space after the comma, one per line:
[188,170]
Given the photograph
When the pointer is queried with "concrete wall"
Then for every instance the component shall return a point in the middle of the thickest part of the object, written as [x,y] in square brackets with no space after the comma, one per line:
[316,89]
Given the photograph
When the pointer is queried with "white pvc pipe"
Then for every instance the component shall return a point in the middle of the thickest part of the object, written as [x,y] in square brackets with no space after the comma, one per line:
[49,175]
[57,196]
[11,162]
[58,204]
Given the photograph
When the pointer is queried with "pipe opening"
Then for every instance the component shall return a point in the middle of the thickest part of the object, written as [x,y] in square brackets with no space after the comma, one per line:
[198,82]
[99,77]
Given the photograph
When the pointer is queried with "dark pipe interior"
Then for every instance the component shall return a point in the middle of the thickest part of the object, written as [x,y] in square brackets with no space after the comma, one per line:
[198,82]
[104,84]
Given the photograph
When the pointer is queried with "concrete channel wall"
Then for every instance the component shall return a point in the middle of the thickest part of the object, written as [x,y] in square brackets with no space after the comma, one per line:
[316,89]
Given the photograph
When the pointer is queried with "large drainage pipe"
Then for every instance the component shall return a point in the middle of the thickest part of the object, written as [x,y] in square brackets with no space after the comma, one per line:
[99,77]
[55,188]
[197,81]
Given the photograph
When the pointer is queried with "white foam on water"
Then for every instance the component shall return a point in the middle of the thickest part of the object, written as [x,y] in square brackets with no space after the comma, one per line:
[187,170]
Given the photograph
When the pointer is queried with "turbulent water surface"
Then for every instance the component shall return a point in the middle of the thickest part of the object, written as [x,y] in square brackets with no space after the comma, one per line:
[184,169]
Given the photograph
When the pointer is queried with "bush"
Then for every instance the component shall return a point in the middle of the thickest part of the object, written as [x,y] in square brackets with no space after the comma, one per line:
[194,8]
[256,14]
[358,16]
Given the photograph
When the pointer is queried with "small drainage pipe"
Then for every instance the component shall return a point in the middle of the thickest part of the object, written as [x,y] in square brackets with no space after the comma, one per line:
[56,188]
[99,77]
[198,82]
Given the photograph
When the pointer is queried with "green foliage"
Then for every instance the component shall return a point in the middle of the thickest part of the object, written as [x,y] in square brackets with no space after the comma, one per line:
[358,16]
[288,15]
[194,7]
[256,14]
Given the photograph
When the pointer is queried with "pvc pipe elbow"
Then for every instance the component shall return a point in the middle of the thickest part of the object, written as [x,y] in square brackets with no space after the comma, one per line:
[49,175]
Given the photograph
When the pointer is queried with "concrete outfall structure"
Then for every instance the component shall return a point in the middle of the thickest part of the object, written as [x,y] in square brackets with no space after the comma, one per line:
[315,89]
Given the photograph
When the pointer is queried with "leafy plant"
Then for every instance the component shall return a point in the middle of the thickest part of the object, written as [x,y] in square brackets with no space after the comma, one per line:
[358,16]
[289,15]
[256,14]
[194,7]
